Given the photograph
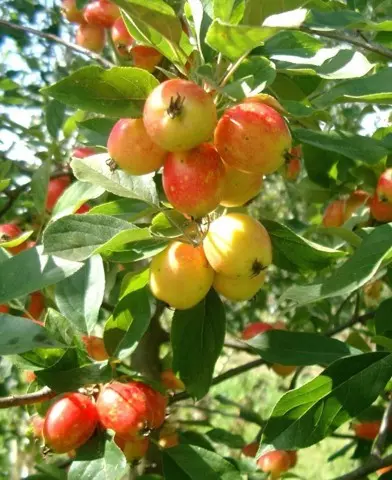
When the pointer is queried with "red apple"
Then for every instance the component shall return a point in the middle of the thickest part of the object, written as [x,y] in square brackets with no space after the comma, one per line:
[101,13]
[83,152]
[71,11]
[384,186]
[381,211]
[91,37]
[8,231]
[95,347]
[56,188]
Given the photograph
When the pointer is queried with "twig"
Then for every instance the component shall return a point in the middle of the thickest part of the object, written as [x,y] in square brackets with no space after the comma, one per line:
[232,69]
[27,399]
[380,443]
[239,347]
[294,380]
[371,466]
[350,323]
[54,38]
[366,45]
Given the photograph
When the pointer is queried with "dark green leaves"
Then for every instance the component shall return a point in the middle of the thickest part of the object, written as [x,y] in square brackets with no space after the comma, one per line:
[79,297]
[353,274]
[95,170]
[188,462]
[197,337]
[35,269]
[78,237]
[18,335]
[296,254]
[299,348]
[308,414]
[118,92]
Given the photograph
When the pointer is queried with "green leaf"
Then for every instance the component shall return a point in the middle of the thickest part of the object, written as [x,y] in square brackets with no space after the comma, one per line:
[233,41]
[74,197]
[125,208]
[382,319]
[14,242]
[130,318]
[305,416]
[54,117]
[191,462]
[376,88]
[356,147]
[18,335]
[257,11]
[296,254]
[111,466]
[231,440]
[289,42]
[4,184]
[39,186]
[169,224]
[78,237]
[197,337]
[80,296]
[383,342]
[299,348]
[353,274]
[117,92]
[37,271]
[95,170]
[139,250]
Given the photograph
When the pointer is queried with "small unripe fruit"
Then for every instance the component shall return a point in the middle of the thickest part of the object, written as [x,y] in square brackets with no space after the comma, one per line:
[91,37]
[357,199]
[83,152]
[171,381]
[130,408]
[239,187]
[253,137]
[251,449]
[29,376]
[8,231]
[381,211]
[101,13]
[168,440]
[238,289]
[134,448]
[283,370]
[334,214]
[292,167]
[95,347]
[275,463]
[70,422]
[254,329]
[193,180]
[56,188]
[367,430]
[181,275]
[132,149]
[384,186]
[179,115]
[37,425]
[71,11]
[237,245]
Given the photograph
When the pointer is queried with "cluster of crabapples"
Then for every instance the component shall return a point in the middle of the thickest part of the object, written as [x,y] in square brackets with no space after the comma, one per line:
[205,163]
[132,410]
[339,211]
[101,18]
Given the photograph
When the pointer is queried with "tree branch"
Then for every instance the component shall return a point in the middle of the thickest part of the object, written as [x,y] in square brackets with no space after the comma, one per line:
[358,42]
[54,38]
[371,466]
[27,399]
[380,443]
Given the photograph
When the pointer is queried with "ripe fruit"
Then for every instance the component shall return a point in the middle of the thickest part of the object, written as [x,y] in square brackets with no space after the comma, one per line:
[254,329]
[168,438]
[83,209]
[238,288]
[381,211]
[71,12]
[29,376]
[293,457]
[133,449]
[181,275]
[357,199]
[179,115]
[8,231]
[384,186]
[334,214]
[95,347]
[122,39]
[37,425]
[101,13]
[283,370]
[367,430]
[83,152]
[70,422]
[293,166]
[145,57]
[36,305]
[56,188]
[129,408]
[237,245]
[171,381]
[193,180]
[239,187]
[91,37]
[132,149]
[251,449]
[253,137]
[4,308]
[275,463]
